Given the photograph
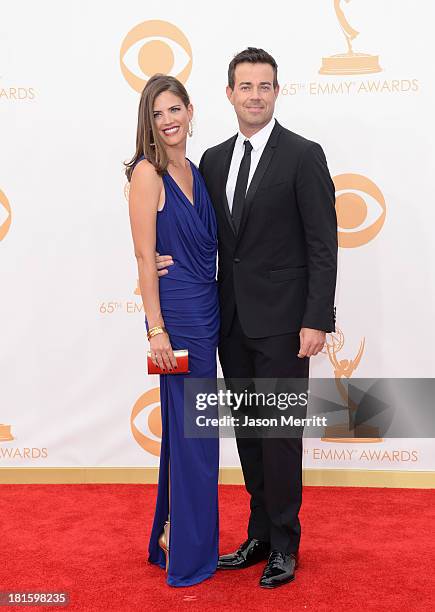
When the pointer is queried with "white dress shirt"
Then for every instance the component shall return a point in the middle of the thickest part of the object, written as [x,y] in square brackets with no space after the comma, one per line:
[258,142]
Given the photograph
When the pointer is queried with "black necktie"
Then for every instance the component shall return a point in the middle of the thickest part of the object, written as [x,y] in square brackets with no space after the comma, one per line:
[241,185]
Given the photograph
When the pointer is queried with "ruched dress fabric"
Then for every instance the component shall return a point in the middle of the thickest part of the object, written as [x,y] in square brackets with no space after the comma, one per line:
[189,305]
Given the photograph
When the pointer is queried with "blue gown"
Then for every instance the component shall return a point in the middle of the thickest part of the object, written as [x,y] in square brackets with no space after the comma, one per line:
[189,305]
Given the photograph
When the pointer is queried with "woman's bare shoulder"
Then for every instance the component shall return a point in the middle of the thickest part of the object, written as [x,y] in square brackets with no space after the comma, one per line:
[144,173]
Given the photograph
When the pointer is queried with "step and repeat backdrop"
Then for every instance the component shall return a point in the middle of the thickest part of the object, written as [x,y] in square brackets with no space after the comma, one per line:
[355,76]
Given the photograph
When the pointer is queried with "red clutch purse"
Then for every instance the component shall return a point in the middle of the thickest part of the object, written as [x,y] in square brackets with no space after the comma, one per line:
[182,357]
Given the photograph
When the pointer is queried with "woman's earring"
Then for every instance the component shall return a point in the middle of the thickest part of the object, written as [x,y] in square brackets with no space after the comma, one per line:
[190,129]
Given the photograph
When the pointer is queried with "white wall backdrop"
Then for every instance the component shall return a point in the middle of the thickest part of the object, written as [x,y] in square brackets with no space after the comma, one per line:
[73,388]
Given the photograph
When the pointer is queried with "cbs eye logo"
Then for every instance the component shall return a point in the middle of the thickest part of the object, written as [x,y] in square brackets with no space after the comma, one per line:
[360,208]
[5,215]
[155,46]
[148,406]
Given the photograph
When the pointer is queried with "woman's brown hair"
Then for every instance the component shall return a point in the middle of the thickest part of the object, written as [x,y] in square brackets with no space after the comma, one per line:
[148,140]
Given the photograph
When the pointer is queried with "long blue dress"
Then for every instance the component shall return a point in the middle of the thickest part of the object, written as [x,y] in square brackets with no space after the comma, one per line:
[189,305]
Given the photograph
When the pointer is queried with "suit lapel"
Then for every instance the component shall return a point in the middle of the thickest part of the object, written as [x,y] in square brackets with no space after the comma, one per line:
[259,173]
[224,178]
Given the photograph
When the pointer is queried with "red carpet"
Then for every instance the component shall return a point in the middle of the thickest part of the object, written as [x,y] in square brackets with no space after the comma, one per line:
[362,549]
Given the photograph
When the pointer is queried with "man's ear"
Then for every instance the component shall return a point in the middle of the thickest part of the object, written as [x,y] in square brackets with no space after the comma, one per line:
[276,91]
[229,93]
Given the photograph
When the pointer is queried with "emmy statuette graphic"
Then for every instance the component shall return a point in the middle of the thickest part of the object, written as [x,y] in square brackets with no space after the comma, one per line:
[5,433]
[350,62]
[344,368]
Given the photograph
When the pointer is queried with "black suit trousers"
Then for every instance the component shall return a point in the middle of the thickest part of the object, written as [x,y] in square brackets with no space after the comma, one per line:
[272,467]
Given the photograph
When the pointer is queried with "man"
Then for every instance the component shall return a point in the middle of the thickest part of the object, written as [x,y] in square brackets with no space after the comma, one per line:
[277,238]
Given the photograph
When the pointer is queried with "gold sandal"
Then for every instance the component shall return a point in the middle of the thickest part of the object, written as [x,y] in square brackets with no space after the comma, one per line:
[164,542]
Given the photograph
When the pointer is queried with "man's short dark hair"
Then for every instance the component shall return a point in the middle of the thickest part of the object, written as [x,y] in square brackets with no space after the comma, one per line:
[253,56]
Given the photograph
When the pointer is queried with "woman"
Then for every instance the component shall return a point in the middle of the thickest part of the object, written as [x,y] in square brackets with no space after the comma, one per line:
[170,212]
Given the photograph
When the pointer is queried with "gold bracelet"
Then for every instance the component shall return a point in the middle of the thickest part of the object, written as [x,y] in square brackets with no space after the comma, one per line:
[155,331]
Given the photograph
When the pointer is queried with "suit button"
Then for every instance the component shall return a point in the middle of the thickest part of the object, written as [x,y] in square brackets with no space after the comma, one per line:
[236,260]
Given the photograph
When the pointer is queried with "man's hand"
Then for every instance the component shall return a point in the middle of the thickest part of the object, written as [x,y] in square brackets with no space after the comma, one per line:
[312,341]
[162,262]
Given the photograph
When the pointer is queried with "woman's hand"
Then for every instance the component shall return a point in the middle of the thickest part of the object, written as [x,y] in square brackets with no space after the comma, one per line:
[162,264]
[162,354]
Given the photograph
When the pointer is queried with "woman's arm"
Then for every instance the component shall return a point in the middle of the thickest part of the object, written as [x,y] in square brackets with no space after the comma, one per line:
[145,192]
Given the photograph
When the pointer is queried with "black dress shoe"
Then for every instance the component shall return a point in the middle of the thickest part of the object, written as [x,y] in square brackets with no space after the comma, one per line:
[279,570]
[250,552]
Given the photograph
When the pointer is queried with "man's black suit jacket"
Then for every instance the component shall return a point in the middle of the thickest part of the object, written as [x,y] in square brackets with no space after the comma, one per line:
[280,268]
